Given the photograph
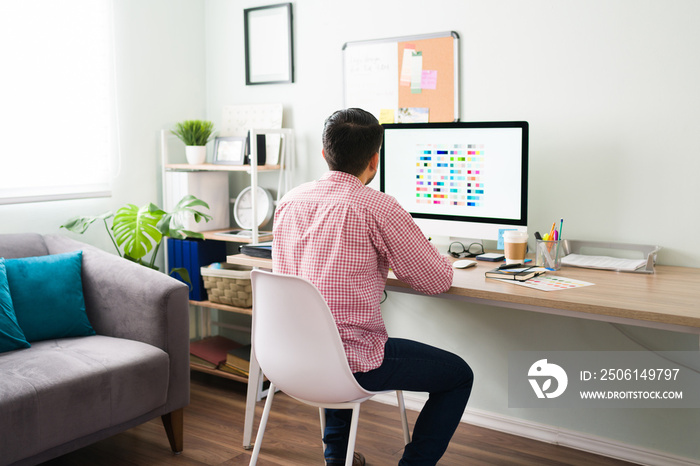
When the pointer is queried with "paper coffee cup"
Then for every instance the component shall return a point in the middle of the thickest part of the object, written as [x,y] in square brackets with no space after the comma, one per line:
[515,245]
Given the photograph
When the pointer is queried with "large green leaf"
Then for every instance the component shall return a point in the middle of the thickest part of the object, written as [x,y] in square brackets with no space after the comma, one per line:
[81,224]
[170,225]
[135,229]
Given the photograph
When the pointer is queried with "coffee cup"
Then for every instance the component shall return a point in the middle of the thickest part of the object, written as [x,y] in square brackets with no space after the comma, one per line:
[515,244]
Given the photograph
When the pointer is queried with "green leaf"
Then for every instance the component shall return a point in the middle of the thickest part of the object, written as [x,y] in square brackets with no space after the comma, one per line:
[135,230]
[81,224]
[170,224]
[184,274]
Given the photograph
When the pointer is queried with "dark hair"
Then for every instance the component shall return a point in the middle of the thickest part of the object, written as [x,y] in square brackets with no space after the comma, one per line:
[350,138]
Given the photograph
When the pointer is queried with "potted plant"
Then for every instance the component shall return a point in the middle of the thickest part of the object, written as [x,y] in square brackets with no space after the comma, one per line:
[137,231]
[195,134]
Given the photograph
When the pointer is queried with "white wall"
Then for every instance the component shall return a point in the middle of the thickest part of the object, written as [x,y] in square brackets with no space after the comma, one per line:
[610,91]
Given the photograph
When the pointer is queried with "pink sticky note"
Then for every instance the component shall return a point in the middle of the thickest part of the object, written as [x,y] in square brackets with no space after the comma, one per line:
[429,79]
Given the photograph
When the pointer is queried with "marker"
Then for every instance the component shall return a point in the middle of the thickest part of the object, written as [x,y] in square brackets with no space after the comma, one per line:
[561,228]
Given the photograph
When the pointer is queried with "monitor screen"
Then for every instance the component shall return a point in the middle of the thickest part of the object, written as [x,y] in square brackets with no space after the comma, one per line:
[462,180]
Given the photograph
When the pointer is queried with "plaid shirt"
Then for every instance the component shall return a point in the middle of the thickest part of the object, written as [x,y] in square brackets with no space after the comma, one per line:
[343,237]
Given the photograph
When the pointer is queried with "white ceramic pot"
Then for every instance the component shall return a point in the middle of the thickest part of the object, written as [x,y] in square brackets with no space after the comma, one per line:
[196,155]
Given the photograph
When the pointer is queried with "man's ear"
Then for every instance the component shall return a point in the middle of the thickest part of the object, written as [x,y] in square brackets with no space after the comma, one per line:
[374,161]
[323,154]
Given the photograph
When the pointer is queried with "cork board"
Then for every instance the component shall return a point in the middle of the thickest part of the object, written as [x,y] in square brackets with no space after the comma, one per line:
[408,79]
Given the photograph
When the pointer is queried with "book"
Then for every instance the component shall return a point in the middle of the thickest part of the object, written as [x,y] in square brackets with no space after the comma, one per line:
[211,351]
[519,274]
[233,370]
[239,358]
[263,250]
[202,362]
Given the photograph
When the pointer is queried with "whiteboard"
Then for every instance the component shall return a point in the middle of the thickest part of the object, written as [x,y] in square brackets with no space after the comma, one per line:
[404,79]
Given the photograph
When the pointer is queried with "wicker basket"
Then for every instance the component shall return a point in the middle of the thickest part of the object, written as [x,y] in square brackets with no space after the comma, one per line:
[228,285]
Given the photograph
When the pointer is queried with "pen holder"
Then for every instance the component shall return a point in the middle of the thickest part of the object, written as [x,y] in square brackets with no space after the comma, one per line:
[548,254]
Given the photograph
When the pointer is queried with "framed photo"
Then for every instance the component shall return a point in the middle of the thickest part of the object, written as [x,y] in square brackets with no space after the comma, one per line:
[269,57]
[229,150]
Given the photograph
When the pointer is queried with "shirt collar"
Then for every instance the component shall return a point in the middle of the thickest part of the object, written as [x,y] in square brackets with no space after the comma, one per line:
[341,177]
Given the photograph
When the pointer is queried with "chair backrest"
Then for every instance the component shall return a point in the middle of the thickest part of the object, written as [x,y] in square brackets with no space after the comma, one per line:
[296,340]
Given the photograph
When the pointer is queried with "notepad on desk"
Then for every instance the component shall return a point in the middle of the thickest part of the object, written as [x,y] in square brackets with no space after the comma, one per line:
[519,274]
[603,262]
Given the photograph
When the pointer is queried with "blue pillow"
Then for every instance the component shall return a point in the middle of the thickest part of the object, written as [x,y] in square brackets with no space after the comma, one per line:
[47,293]
[11,336]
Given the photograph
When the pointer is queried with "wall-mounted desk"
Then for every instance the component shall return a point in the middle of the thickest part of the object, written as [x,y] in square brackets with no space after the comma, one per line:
[668,299]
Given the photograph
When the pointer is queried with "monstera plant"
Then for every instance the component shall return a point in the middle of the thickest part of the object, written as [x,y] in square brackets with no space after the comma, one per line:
[136,231]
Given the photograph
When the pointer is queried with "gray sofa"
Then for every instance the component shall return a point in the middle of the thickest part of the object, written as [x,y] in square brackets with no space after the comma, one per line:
[61,395]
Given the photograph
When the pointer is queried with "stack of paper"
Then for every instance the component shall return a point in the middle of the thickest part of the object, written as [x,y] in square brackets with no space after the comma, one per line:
[603,262]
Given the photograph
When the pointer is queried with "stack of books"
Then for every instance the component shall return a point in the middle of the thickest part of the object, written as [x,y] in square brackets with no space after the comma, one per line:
[211,352]
[237,361]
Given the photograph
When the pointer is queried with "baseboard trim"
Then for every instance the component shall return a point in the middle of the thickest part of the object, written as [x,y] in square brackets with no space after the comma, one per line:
[554,435]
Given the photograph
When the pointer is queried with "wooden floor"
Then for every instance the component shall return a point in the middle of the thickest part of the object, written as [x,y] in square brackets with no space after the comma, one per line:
[214,432]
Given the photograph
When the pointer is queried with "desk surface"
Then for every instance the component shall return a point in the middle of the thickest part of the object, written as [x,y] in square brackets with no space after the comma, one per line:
[671,296]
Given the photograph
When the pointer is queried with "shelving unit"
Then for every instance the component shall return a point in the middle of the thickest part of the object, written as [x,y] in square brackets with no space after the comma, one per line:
[203,308]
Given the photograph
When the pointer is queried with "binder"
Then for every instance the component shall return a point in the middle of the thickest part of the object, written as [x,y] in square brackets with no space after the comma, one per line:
[193,254]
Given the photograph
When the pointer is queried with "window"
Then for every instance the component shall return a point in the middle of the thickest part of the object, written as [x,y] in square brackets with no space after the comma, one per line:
[57,117]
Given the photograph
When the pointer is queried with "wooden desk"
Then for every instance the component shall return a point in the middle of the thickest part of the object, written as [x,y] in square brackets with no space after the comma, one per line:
[668,299]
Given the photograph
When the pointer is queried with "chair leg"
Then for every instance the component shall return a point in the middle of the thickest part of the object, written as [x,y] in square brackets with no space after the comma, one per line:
[174,428]
[263,424]
[322,415]
[353,434]
[404,419]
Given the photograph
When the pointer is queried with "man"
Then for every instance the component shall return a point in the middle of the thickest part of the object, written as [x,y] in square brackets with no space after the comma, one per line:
[343,237]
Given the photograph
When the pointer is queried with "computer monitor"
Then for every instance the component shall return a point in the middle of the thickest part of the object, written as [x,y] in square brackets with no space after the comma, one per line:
[458,180]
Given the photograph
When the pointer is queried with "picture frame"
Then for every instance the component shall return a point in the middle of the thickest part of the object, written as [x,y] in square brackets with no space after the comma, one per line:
[229,150]
[269,51]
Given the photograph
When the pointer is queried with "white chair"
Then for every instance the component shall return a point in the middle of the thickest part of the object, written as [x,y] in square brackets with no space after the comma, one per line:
[298,346]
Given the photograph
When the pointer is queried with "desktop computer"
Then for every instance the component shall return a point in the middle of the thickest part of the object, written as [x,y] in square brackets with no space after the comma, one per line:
[464,181]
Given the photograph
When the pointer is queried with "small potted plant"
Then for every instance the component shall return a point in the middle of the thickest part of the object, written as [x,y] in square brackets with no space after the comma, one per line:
[195,134]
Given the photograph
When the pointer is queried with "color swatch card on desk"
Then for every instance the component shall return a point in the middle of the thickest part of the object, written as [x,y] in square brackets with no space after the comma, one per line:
[553,283]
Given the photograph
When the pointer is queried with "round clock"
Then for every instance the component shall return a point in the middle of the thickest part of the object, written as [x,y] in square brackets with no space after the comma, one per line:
[243,208]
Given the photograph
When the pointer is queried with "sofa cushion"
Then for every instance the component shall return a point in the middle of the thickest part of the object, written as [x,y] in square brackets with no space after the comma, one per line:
[22,245]
[59,390]
[47,294]
[11,336]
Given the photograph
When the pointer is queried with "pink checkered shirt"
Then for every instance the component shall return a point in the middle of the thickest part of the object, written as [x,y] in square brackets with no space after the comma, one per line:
[343,237]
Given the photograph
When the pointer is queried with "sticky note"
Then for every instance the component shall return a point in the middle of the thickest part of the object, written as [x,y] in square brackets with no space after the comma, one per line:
[429,79]
[405,79]
[416,72]
[386,115]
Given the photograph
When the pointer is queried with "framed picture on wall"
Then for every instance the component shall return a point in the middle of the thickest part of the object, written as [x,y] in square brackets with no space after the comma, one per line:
[229,150]
[269,56]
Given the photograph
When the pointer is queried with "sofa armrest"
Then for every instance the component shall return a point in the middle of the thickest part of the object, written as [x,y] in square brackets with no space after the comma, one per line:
[127,300]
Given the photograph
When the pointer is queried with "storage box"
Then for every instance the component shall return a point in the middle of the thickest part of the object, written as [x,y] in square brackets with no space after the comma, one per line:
[229,284]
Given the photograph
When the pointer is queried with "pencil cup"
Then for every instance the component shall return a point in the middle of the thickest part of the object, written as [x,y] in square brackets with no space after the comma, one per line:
[548,254]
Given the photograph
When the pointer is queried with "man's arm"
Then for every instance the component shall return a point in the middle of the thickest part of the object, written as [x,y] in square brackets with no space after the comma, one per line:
[412,258]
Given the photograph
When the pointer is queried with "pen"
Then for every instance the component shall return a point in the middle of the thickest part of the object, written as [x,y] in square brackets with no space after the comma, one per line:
[561,228]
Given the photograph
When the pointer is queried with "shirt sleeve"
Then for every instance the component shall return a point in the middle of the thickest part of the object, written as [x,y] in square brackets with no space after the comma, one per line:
[412,258]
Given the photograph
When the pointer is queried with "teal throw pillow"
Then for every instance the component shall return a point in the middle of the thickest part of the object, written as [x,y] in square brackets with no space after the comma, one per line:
[47,293]
[11,336]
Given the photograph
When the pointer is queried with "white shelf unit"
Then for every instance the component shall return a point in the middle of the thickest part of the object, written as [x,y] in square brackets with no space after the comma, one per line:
[284,168]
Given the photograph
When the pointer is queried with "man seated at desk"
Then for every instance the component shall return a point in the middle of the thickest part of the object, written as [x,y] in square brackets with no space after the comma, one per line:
[343,237]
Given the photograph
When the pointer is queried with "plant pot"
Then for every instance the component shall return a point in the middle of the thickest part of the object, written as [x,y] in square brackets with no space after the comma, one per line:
[196,155]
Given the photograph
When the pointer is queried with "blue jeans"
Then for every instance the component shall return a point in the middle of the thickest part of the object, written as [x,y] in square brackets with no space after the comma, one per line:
[412,366]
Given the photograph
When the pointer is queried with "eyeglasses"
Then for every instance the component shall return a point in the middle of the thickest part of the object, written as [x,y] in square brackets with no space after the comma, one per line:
[458,250]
